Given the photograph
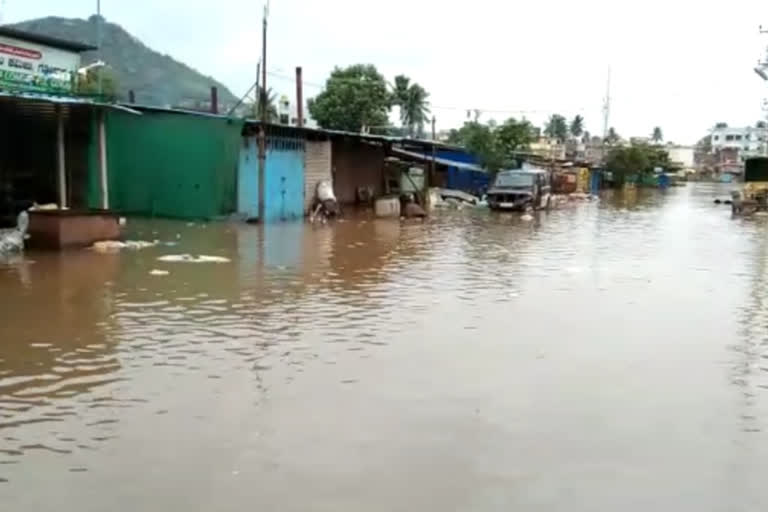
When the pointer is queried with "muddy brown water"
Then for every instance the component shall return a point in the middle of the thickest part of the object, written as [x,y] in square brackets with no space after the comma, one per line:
[611,356]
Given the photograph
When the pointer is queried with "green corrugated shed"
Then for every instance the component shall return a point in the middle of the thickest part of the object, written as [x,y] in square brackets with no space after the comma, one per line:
[170,164]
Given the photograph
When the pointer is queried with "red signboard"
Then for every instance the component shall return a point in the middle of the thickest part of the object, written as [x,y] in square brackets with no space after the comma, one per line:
[20,52]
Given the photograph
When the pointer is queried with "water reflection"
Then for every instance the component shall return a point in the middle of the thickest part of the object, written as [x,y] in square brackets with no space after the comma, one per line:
[474,359]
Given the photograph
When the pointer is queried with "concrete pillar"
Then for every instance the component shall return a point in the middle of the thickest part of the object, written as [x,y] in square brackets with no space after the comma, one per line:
[104,181]
[61,158]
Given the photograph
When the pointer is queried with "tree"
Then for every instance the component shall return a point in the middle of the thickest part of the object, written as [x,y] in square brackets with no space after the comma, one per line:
[586,138]
[761,124]
[721,125]
[271,97]
[612,137]
[657,135]
[557,127]
[636,159]
[512,136]
[414,105]
[494,145]
[577,126]
[355,98]
[88,83]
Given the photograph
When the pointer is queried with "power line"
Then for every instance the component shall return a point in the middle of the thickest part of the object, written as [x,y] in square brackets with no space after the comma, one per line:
[431,106]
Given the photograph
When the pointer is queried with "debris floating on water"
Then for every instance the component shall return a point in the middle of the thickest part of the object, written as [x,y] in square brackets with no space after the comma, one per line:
[157,272]
[115,245]
[188,258]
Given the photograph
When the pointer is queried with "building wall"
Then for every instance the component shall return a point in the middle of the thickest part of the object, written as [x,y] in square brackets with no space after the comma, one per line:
[751,141]
[317,168]
[356,164]
[682,155]
[172,165]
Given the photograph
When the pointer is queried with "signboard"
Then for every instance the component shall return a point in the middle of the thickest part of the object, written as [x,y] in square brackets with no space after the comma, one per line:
[34,67]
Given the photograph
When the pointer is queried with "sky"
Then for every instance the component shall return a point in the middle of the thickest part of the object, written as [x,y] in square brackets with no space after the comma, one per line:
[680,65]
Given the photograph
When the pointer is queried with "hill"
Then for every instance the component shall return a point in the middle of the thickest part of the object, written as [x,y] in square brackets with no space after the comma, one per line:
[156,79]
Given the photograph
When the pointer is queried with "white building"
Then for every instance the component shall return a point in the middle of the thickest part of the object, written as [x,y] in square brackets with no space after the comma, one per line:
[681,156]
[749,141]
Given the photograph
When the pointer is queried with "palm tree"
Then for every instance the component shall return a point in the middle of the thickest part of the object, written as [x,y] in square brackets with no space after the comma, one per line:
[657,135]
[612,137]
[413,101]
[271,98]
[557,127]
[577,126]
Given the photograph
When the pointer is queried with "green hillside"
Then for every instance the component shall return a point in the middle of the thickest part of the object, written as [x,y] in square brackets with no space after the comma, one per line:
[156,79]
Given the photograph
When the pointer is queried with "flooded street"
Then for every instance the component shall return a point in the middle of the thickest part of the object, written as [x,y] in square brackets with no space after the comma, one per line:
[611,356]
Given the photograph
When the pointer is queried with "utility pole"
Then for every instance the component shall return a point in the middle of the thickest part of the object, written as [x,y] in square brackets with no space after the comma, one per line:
[606,113]
[433,171]
[98,43]
[262,123]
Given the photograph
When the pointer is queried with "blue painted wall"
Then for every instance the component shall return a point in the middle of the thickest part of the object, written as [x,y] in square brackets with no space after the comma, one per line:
[284,179]
[248,179]
[474,182]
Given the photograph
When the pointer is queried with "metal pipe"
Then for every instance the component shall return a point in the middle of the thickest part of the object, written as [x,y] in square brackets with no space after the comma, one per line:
[214,100]
[299,98]
[61,157]
[131,96]
[104,182]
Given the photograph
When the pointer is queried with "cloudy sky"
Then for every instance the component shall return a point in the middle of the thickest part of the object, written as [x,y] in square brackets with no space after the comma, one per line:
[683,65]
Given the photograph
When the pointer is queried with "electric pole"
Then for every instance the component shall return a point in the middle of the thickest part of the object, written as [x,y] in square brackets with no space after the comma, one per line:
[606,114]
[98,44]
[263,121]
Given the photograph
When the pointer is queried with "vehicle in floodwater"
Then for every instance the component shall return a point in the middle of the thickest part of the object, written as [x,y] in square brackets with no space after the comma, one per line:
[520,190]
[754,196]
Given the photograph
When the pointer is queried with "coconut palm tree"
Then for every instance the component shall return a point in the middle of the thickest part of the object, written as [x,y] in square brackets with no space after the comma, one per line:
[577,126]
[271,97]
[413,101]
[657,135]
[613,136]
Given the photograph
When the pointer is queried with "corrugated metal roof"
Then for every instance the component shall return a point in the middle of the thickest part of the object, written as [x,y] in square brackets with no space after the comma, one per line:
[54,42]
[442,161]
[41,105]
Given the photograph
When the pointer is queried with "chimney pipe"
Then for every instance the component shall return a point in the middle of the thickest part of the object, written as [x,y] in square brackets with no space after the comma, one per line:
[299,98]
[131,96]
[214,100]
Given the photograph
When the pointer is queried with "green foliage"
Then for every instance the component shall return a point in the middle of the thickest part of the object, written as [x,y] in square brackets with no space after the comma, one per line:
[494,145]
[354,98]
[721,125]
[577,126]
[271,99]
[657,135]
[412,99]
[557,127]
[637,159]
[157,79]
[612,137]
[88,84]
[761,124]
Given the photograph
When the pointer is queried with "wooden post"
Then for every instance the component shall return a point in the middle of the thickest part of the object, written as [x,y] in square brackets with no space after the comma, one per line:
[103,160]
[61,158]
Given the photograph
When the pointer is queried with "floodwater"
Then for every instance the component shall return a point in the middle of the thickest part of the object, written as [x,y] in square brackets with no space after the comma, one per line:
[611,356]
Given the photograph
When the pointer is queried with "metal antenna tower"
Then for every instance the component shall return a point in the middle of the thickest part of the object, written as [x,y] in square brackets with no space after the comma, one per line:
[607,105]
